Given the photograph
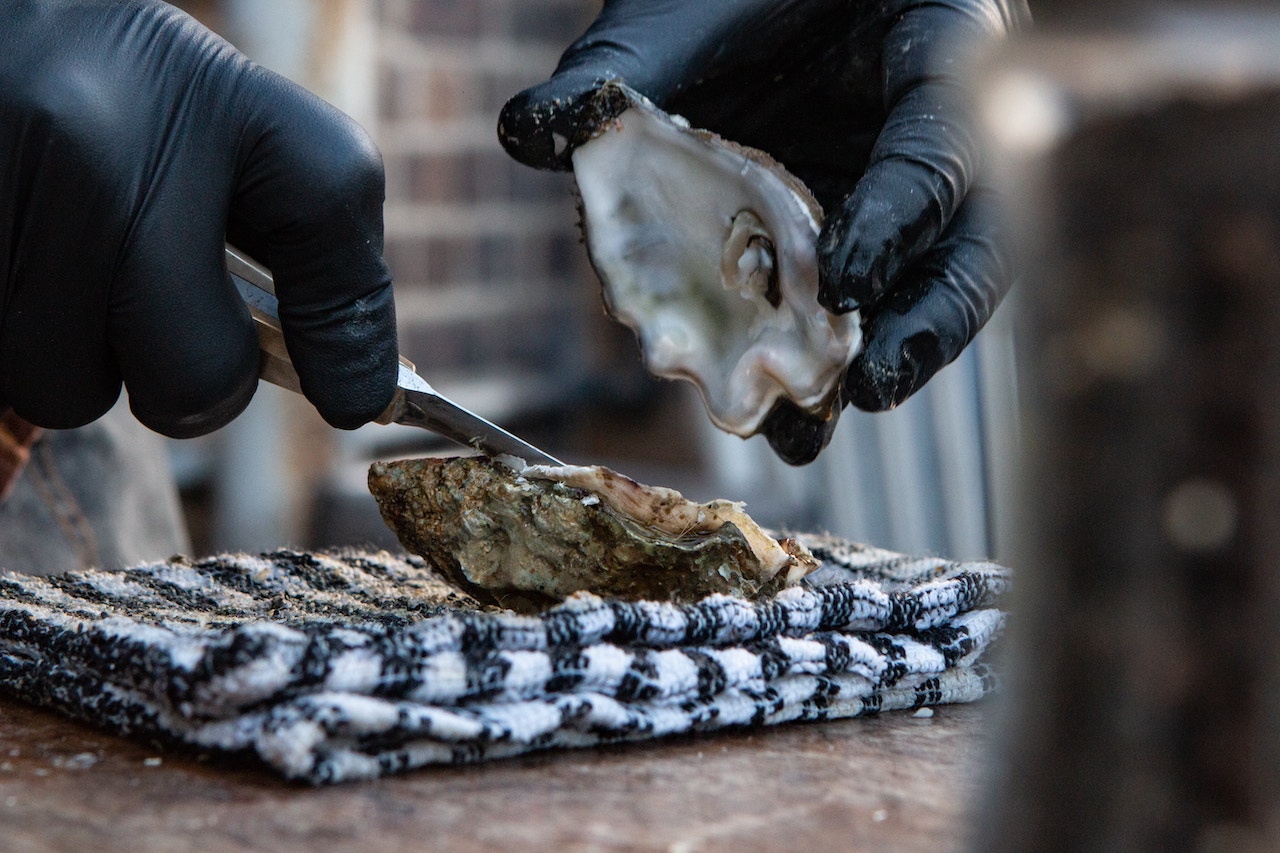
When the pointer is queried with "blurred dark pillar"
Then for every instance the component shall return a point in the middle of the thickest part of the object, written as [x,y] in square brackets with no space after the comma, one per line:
[1143,711]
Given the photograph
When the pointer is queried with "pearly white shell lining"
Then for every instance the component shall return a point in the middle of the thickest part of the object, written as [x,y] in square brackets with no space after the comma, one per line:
[708,253]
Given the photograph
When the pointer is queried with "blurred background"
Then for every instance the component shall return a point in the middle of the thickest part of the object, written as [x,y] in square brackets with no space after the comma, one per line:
[500,310]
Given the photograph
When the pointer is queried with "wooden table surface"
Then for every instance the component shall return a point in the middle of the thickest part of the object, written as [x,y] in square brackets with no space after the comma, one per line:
[896,782]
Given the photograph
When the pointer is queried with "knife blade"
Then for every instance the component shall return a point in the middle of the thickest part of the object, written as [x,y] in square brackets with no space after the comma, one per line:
[415,403]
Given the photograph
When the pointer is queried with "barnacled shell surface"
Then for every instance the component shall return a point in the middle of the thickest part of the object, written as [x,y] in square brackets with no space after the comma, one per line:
[707,250]
[523,536]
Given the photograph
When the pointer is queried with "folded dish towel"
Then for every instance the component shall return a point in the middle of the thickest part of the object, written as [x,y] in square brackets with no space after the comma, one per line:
[347,665]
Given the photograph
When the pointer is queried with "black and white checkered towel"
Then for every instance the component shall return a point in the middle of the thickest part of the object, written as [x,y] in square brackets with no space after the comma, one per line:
[349,665]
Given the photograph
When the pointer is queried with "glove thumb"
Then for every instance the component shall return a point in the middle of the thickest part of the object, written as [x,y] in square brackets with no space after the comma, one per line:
[653,46]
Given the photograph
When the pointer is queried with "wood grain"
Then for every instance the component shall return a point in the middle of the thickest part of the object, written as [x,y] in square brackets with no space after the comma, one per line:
[895,782]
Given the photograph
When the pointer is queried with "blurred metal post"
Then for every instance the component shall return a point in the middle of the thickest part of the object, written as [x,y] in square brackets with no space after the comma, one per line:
[1145,641]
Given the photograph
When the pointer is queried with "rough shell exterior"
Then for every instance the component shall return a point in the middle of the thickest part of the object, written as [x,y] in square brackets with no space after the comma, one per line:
[523,540]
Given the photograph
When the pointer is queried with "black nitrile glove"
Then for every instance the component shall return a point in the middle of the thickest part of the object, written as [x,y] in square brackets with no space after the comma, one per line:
[133,143]
[865,101]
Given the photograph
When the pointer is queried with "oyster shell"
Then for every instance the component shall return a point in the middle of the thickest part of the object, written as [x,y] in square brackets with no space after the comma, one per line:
[707,250]
[523,537]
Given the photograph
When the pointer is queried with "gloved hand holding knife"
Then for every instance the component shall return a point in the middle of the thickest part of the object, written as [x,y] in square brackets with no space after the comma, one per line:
[135,144]
[865,101]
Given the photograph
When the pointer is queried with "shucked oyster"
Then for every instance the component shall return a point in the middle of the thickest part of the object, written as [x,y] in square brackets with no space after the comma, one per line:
[522,537]
[707,250]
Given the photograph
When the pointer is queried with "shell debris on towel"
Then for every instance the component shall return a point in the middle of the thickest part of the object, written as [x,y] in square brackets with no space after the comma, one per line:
[708,251]
[526,536]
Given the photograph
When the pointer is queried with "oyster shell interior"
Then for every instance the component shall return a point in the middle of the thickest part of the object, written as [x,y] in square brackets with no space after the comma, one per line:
[524,536]
[707,250]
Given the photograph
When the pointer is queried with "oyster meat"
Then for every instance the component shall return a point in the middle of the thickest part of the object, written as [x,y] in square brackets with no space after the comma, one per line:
[707,250]
[524,536]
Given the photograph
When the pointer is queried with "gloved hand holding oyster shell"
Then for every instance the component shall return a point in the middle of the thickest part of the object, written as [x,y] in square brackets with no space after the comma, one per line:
[864,101]
[708,251]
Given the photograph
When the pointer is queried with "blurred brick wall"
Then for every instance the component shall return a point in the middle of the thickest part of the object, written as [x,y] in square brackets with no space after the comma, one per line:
[497,302]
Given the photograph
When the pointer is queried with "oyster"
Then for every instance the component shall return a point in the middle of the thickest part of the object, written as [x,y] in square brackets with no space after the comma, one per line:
[707,250]
[526,535]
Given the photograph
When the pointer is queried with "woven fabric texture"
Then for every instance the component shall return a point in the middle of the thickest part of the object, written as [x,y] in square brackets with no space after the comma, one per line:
[349,665]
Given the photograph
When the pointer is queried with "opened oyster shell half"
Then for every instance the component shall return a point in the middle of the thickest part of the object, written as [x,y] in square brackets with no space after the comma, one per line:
[528,535]
[707,250]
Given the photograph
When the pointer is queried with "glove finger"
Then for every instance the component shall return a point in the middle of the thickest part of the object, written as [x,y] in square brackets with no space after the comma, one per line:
[311,190]
[57,367]
[796,436]
[658,48]
[923,162]
[935,310]
[183,338]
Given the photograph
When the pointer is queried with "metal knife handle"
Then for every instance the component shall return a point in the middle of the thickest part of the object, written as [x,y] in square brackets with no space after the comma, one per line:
[415,402]
[276,367]
[396,412]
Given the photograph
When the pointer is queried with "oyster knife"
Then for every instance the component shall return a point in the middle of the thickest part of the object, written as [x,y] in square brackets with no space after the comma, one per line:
[415,402]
